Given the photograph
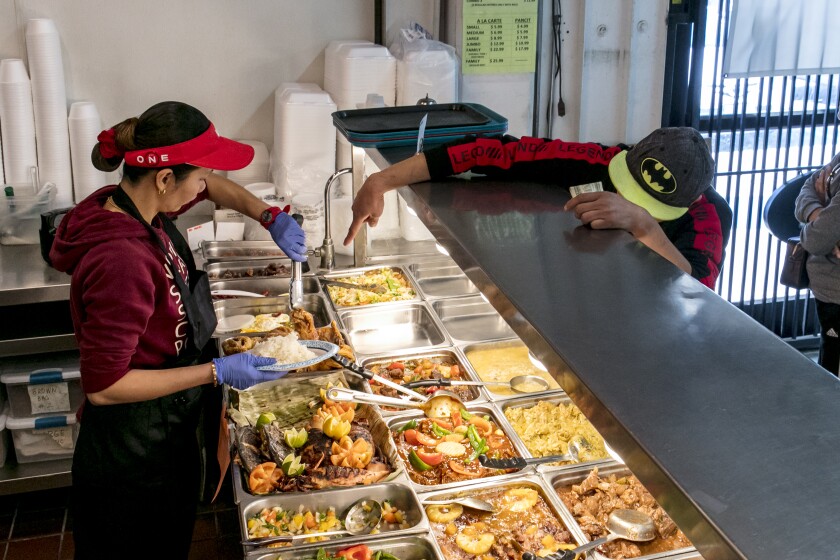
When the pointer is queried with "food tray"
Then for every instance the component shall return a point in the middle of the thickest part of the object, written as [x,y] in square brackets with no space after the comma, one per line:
[400,495]
[395,328]
[215,251]
[313,303]
[349,273]
[398,126]
[249,269]
[395,421]
[471,319]
[556,397]
[415,547]
[441,280]
[557,479]
[267,286]
[497,393]
[477,393]
[531,481]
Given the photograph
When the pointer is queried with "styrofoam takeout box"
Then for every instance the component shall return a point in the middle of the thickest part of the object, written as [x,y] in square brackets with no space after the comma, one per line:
[44,438]
[45,385]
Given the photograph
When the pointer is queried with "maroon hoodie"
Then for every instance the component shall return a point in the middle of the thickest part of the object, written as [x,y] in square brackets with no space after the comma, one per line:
[126,309]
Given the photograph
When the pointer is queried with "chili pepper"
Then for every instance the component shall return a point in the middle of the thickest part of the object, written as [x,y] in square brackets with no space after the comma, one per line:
[407,426]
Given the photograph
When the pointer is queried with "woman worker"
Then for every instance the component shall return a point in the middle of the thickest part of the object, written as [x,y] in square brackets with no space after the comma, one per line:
[142,314]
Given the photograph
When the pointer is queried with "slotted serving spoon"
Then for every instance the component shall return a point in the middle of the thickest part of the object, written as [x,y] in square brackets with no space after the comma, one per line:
[628,524]
[575,445]
[440,405]
[357,521]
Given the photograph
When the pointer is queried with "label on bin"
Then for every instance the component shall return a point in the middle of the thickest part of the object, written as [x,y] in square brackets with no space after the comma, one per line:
[51,397]
[63,437]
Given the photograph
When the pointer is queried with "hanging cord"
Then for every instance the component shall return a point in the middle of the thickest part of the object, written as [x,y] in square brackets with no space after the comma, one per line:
[556,19]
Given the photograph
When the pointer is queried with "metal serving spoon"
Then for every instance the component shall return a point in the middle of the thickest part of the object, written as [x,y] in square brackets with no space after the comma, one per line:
[627,524]
[518,383]
[472,503]
[357,521]
[375,288]
[440,405]
[575,445]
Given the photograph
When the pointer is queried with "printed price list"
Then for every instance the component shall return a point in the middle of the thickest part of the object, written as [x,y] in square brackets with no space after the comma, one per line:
[499,36]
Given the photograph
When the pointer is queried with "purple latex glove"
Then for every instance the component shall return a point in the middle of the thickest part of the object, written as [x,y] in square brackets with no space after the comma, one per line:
[240,370]
[289,236]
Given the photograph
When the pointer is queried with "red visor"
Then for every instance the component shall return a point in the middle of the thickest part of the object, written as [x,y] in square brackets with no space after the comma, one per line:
[208,149]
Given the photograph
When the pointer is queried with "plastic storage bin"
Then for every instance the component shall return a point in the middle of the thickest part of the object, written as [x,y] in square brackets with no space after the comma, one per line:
[4,437]
[45,385]
[44,438]
[20,216]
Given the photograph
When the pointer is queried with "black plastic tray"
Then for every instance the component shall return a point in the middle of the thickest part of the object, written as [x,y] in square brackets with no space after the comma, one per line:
[386,120]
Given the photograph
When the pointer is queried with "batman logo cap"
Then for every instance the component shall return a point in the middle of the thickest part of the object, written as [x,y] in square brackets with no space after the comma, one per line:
[665,172]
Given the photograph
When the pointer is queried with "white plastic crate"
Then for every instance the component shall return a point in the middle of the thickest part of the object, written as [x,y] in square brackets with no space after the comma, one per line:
[43,438]
[43,385]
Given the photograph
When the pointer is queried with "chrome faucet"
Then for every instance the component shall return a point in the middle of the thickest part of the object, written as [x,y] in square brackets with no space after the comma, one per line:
[327,249]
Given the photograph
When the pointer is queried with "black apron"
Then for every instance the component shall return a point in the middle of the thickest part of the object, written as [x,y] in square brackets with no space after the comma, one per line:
[145,455]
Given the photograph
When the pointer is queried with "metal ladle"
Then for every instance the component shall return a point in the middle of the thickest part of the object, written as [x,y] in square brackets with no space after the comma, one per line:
[518,383]
[357,521]
[627,524]
[574,447]
[440,405]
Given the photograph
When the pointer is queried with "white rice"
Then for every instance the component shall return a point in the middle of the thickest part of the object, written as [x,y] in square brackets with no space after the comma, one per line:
[286,349]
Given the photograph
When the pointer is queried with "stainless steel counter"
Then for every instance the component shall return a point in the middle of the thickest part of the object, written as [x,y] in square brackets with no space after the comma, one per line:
[26,278]
[734,432]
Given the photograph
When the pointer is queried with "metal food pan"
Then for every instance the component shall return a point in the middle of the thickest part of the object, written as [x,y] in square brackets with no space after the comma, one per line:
[399,495]
[351,272]
[415,547]
[441,280]
[556,397]
[471,319]
[559,479]
[249,269]
[395,328]
[241,250]
[267,286]
[497,394]
[517,481]
[313,303]
[485,408]
[441,353]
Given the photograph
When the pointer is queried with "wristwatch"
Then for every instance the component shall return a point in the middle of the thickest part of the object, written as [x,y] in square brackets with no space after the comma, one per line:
[269,215]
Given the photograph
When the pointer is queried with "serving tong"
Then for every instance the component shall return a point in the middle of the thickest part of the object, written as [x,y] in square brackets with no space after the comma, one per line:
[375,288]
[370,376]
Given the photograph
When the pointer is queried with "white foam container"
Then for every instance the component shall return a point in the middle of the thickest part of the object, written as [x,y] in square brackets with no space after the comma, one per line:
[45,438]
[43,386]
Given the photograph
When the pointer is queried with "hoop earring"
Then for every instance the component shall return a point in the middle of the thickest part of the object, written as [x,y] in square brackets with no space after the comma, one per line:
[162,192]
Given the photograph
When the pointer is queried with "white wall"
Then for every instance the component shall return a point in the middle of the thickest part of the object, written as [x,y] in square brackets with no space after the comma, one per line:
[225,57]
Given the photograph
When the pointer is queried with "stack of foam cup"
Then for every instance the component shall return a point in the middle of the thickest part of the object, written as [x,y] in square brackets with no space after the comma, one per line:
[17,124]
[84,124]
[49,102]
[303,156]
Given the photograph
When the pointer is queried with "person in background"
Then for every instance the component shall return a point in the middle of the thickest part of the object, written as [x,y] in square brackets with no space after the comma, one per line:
[659,190]
[142,316]
[819,209]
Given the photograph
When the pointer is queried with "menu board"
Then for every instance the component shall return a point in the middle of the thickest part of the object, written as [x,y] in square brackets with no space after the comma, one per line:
[499,36]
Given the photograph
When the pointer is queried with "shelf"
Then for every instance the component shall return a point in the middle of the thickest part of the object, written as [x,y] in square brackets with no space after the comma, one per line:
[29,477]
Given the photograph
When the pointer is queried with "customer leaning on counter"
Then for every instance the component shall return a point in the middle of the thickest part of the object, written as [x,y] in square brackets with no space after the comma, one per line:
[660,190]
[142,314]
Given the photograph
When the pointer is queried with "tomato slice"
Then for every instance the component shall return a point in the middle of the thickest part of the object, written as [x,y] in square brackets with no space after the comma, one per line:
[431,459]
[397,365]
[358,552]
[411,437]
[461,469]
[427,440]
